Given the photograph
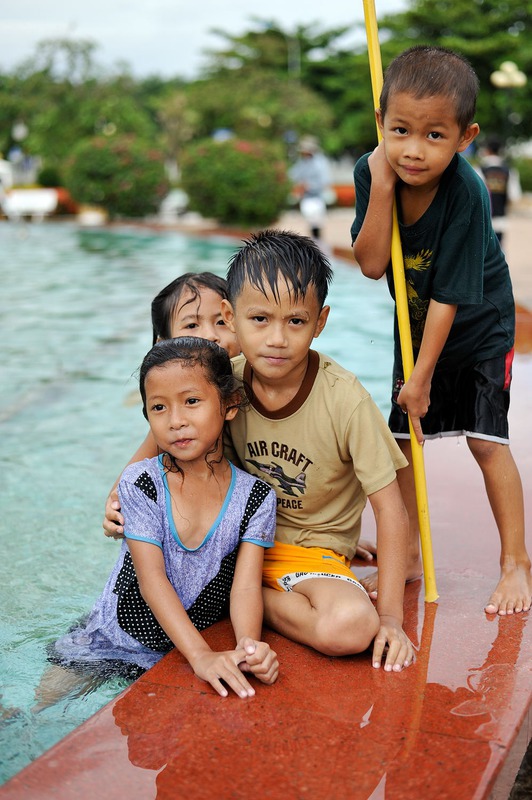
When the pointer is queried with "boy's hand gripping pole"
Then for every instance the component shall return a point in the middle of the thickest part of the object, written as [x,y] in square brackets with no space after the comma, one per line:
[405,336]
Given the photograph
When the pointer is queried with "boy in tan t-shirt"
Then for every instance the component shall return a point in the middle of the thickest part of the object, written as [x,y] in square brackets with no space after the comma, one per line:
[313,432]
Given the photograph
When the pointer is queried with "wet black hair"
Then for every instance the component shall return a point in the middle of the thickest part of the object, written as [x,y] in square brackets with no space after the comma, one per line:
[428,71]
[214,360]
[273,254]
[165,303]
[191,350]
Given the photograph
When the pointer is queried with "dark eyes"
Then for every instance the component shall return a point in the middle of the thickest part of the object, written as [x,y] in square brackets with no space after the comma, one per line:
[192,325]
[293,321]
[190,401]
[433,135]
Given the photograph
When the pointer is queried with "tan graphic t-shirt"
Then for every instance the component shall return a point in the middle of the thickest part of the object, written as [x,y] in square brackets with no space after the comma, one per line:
[323,453]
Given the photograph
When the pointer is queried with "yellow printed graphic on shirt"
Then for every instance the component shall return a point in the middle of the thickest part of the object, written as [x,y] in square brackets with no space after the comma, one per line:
[416,306]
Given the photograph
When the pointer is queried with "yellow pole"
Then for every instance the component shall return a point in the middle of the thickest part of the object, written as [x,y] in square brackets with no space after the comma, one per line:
[401,302]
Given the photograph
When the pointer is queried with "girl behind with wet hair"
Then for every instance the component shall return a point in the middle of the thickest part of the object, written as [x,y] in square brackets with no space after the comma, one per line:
[189,285]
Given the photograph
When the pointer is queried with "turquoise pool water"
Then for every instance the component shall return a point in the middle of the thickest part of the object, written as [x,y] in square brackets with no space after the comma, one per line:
[74,326]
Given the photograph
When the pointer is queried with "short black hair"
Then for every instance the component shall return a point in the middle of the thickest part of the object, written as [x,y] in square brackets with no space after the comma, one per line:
[428,71]
[272,254]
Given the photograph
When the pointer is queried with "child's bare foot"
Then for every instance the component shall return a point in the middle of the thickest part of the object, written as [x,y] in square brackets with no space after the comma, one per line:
[58,682]
[366,550]
[413,573]
[370,583]
[513,593]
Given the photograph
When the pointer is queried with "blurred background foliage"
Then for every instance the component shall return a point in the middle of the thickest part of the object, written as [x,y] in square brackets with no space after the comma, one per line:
[236,180]
[267,85]
[120,173]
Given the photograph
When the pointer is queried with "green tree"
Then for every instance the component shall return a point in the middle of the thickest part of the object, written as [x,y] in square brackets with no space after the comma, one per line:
[79,112]
[270,48]
[63,98]
[62,60]
[120,174]
[343,78]
[267,71]
[257,105]
[266,84]
[235,181]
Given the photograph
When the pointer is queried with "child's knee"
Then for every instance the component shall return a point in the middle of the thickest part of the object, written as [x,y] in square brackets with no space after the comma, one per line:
[346,630]
[485,451]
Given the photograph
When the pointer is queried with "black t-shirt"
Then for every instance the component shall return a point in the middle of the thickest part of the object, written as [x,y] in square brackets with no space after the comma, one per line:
[452,255]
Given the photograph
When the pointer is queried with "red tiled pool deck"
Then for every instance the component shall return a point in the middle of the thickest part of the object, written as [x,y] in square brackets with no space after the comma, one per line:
[454,725]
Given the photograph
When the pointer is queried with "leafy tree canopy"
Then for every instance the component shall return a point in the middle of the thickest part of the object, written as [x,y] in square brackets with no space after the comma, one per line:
[268,83]
[64,98]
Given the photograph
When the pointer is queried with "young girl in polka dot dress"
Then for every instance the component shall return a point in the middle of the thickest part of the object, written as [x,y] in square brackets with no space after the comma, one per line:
[195,532]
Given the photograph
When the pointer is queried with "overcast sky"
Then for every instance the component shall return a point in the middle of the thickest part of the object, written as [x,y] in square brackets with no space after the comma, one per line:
[164,37]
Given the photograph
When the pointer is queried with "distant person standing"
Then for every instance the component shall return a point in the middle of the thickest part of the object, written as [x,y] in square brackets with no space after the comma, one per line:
[310,174]
[6,179]
[502,182]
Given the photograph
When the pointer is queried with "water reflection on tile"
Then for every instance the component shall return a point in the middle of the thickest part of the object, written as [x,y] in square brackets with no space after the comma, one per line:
[329,728]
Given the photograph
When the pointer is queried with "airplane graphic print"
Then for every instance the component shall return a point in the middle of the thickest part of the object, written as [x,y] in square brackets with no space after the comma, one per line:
[286,483]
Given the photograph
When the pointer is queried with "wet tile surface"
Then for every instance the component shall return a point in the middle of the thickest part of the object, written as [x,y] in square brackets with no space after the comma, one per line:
[329,728]
[337,728]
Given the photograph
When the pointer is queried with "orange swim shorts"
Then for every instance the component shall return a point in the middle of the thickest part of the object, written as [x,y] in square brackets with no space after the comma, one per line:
[285,565]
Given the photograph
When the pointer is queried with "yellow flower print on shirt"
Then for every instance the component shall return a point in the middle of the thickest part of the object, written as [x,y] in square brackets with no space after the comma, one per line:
[417,307]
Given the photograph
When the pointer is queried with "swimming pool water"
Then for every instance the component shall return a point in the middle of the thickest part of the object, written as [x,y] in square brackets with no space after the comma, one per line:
[74,327]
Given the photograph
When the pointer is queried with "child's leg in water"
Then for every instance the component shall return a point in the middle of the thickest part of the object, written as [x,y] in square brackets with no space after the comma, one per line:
[58,682]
